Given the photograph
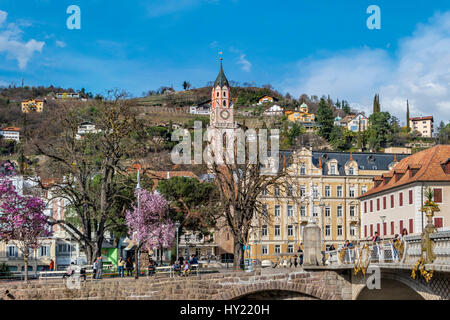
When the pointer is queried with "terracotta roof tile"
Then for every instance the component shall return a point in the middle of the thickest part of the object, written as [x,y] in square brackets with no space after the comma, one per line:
[426,163]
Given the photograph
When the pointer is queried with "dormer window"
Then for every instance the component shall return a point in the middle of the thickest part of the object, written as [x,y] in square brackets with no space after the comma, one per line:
[333,169]
[351,171]
[302,170]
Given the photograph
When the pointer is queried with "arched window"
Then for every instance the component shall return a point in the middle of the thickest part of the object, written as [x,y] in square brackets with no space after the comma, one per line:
[217,93]
[224,93]
[225,103]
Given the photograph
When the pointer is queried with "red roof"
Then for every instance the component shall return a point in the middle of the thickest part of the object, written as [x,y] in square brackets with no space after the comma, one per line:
[425,165]
[421,118]
[11,129]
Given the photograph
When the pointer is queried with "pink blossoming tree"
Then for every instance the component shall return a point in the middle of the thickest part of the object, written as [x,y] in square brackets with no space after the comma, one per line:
[22,218]
[150,224]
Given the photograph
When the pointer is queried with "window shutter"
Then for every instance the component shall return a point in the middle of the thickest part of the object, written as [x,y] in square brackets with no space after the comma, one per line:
[365,231]
[410,197]
[392,227]
[384,203]
[438,222]
[437,195]
[411,225]
[401,226]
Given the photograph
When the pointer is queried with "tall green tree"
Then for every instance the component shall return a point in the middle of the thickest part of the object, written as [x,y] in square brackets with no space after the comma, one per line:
[376,103]
[407,116]
[325,119]
[380,130]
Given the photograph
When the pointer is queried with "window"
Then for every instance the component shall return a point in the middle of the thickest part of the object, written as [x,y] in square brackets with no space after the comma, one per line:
[289,191]
[327,211]
[392,200]
[378,204]
[264,192]
[378,228]
[410,196]
[327,191]
[365,232]
[302,191]
[352,192]
[411,226]
[437,196]
[303,211]
[352,211]
[302,169]
[264,249]
[339,230]
[384,203]
[290,211]
[384,228]
[315,211]
[363,189]
[352,230]
[327,230]
[264,231]
[225,103]
[351,171]
[12,251]
[277,191]
[401,226]
[400,199]
[365,206]
[392,227]
[371,230]
[44,251]
[339,191]
[315,191]
[333,169]
[264,209]
[277,231]
[290,248]
[339,211]
[371,206]
[290,231]
[277,248]
[277,210]
[438,222]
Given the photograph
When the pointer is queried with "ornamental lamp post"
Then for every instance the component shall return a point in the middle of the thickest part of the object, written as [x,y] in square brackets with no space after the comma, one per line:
[138,190]
[177,225]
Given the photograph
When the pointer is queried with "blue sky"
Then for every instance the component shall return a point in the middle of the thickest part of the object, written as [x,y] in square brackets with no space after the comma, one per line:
[302,46]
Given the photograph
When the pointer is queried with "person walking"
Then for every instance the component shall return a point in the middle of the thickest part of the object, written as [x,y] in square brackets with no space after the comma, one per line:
[300,252]
[100,267]
[94,269]
[129,266]
[121,266]
[52,265]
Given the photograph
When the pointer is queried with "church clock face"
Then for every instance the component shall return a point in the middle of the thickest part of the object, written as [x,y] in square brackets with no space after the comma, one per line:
[225,114]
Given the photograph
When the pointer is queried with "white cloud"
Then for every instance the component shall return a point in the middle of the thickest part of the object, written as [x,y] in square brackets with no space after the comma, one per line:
[60,44]
[419,71]
[246,65]
[12,44]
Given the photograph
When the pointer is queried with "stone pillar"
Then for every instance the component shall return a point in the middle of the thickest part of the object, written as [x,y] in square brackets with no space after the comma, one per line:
[312,255]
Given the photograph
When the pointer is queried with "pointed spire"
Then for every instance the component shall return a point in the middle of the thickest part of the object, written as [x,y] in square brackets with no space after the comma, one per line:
[395,157]
[320,162]
[351,156]
[221,79]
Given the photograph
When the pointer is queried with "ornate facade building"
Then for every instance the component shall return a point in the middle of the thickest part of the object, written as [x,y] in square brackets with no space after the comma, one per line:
[323,186]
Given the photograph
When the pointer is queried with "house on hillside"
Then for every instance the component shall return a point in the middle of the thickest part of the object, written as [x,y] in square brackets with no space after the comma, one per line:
[201,109]
[33,105]
[266,99]
[10,133]
[422,125]
[301,115]
[274,110]
[84,128]
[67,95]
[358,123]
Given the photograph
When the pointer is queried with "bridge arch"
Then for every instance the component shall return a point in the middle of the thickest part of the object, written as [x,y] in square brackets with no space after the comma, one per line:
[274,289]
[396,287]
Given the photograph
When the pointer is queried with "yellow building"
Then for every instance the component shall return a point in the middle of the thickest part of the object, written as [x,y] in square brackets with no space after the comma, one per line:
[32,105]
[323,186]
[302,115]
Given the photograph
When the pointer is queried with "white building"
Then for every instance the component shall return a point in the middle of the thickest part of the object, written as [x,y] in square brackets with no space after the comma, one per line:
[11,133]
[274,110]
[84,128]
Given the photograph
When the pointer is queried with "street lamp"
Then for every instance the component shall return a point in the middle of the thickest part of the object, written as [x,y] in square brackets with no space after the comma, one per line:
[177,225]
[138,191]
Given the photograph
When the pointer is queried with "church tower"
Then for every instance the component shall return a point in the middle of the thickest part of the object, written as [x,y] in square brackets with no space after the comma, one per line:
[222,109]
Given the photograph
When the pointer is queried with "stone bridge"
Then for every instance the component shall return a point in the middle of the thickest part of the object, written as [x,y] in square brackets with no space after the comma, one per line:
[324,283]
[332,279]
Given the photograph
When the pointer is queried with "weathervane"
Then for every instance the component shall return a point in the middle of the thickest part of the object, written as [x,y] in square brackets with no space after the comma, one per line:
[221,54]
